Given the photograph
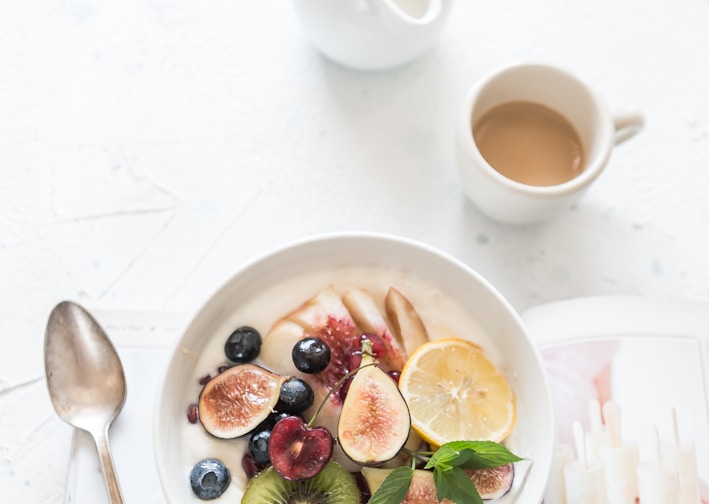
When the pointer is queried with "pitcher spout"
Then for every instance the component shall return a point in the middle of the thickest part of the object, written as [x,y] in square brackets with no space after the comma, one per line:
[412,12]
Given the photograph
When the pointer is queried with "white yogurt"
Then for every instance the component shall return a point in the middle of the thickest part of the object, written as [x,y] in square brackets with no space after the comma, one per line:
[442,316]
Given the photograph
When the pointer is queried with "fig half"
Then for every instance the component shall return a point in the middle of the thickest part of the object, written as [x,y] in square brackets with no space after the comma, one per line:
[494,482]
[235,401]
[422,489]
[374,422]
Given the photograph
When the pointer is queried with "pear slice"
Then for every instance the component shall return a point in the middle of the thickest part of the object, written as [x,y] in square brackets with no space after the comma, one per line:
[369,319]
[406,322]
[374,422]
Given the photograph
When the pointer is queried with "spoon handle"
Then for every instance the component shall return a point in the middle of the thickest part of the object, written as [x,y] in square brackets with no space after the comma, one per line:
[109,471]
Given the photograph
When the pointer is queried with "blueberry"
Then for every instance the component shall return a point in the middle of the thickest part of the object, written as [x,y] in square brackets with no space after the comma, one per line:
[311,355]
[258,447]
[243,345]
[209,479]
[296,396]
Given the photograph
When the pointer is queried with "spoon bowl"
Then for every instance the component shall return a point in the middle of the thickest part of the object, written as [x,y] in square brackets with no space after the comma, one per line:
[85,379]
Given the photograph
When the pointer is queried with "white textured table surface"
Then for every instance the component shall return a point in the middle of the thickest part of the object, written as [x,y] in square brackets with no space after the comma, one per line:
[149,148]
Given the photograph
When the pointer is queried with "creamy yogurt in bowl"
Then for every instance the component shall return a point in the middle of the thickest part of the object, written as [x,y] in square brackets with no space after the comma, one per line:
[451,298]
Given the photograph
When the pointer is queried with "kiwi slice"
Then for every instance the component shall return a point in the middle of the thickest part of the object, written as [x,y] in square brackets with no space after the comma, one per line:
[332,485]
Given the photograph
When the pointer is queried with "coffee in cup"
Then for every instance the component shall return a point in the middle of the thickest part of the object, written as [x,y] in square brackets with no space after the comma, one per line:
[531,139]
[529,143]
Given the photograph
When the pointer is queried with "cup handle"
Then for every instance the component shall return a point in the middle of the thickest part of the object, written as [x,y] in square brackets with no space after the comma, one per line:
[627,124]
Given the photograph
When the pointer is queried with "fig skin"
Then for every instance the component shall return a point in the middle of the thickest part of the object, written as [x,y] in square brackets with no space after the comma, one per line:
[374,423]
[235,401]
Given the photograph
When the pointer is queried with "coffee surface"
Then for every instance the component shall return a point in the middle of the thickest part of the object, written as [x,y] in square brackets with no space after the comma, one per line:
[529,143]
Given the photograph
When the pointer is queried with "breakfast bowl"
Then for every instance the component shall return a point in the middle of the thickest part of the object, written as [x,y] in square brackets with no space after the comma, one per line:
[453,302]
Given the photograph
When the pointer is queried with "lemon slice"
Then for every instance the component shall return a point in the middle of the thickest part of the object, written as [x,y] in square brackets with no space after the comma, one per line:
[454,393]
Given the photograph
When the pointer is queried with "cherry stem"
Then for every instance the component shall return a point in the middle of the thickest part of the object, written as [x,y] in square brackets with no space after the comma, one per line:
[337,385]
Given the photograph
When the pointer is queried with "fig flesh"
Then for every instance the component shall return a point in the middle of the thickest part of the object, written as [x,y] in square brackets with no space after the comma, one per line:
[374,423]
[238,399]
[494,482]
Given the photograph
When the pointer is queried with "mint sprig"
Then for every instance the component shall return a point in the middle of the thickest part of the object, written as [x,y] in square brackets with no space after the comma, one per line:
[448,463]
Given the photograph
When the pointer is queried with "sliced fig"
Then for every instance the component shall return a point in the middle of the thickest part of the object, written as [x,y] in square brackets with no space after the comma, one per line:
[405,320]
[374,423]
[332,485]
[369,319]
[422,489]
[235,401]
[414,443]
[494,482]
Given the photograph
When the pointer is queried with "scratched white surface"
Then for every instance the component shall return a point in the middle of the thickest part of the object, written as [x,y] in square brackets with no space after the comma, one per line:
[148,148]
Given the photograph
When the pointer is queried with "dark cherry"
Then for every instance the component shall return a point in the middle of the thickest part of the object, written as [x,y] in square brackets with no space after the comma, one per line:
[311,355]
[271,420]
[298,451]
[378,347]
[354,360]
[249,465]
[344,388]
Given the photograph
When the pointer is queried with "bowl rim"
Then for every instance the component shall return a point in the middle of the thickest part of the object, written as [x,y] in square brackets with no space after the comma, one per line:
[313,241]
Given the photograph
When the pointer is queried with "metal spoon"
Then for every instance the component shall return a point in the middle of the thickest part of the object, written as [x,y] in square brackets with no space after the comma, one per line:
[85,380]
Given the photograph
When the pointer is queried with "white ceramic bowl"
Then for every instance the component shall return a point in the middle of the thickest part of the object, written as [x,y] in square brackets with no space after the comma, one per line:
[176,451]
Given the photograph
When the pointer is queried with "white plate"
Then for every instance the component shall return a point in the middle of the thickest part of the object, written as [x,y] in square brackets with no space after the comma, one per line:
[658,355]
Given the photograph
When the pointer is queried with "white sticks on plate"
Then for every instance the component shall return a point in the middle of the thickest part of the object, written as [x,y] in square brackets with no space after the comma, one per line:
[620,459]
[598,435]
[657,483]
[682,457]
[583,479]
[555,492]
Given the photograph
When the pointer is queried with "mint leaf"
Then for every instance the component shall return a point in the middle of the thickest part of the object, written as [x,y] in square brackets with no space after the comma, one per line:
[455,485]
[471,455]
[394,487]
[443,458]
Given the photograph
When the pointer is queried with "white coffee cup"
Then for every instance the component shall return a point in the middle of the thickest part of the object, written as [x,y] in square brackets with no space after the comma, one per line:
[512,202]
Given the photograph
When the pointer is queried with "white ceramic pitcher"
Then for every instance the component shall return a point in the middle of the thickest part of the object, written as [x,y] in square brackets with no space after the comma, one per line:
[372,34]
